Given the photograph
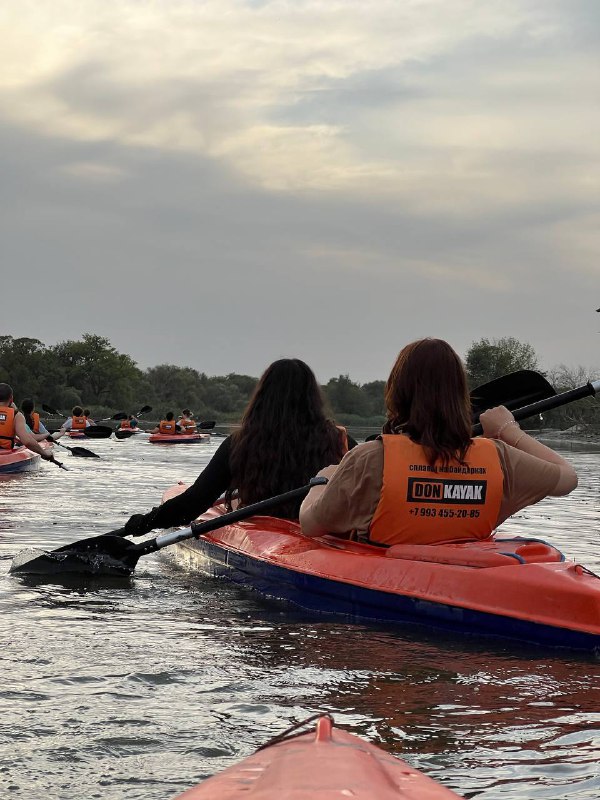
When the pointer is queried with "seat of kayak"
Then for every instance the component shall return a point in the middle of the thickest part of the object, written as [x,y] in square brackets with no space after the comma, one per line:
[487,553]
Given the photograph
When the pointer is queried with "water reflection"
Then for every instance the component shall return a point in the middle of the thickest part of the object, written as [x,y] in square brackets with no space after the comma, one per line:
[139,688]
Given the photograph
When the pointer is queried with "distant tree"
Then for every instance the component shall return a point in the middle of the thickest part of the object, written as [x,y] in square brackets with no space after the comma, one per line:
[346,397]
[176,387]
[27,364]
[488,359]
[224,396]
[375,392]
[97,371]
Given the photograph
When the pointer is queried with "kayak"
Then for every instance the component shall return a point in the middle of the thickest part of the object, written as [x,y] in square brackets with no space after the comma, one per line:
[19,459]
[321,765]
[77,434]
[518,588]
[178,438]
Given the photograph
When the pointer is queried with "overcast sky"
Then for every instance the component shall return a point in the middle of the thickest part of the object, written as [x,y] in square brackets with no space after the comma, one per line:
[218,184]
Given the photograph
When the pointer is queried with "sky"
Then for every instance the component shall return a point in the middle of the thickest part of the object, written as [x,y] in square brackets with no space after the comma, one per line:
[219,184]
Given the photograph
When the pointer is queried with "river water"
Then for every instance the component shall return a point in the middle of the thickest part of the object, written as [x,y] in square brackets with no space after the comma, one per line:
[141,688]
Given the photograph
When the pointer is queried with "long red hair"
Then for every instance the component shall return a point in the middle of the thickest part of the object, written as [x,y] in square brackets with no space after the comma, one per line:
[427,398]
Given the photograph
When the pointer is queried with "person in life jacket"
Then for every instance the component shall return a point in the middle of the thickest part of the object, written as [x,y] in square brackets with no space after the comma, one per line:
[187,422]
[32,420]
[87,414]
[76,422]
[13,428]
[129,424]
[425,480]
[167,425]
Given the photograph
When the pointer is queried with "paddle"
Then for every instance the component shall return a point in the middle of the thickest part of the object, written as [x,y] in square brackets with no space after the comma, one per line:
[564,398]
[514,390]
[97,432]
[110,554]
[76,451]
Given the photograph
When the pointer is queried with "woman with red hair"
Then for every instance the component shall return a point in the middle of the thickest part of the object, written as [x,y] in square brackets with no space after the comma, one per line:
[426,480]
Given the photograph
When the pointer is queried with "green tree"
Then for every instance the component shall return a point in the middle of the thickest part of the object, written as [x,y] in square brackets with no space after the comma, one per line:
[29,367]
[97,372]
[488,359]
[346,397]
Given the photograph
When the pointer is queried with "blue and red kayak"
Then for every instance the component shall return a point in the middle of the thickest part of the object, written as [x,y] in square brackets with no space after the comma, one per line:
[517,588]
[326,764]
[19,459]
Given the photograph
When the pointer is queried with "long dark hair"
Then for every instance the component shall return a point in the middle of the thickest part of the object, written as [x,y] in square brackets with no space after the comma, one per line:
[27,407]
[285,437]
[427,397]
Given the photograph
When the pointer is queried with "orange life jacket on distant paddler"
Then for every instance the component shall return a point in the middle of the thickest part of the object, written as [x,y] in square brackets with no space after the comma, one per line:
[167,426]
[78,423]
[7,427]
[35,422]
[126,425]
[424,504]
[187,425]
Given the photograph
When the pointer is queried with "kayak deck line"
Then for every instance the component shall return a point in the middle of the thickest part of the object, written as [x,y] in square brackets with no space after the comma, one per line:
[323,764]
[548,600]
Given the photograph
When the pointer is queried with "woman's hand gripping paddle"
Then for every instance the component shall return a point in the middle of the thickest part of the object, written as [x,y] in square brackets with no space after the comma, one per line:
[110,554]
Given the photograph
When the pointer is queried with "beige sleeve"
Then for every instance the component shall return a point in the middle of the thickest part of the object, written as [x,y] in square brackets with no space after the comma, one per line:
[349,500]
[527,479]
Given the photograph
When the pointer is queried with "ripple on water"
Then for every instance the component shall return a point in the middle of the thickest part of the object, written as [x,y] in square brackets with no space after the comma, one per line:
[141,688]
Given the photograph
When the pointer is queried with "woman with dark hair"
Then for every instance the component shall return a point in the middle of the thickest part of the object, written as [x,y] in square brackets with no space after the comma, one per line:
[283,441]
[425,480]
[32,420]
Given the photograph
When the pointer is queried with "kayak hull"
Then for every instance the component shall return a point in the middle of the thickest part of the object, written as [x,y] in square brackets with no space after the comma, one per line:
[19,459]
[179,438]
[552,603]
[77,434]
[323,765]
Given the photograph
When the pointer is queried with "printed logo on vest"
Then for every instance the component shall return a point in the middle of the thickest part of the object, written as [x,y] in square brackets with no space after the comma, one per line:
[446,492]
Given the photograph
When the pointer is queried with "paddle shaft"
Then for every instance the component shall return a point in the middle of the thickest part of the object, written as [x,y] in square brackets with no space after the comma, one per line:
[198,528]
[588,390]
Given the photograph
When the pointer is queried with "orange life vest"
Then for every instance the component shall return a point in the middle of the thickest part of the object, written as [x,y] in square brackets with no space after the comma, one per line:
[125,425]
[78,423]
[188,425]
[423,504]
[167,426]
[35,419]
[7,428]
[344,435]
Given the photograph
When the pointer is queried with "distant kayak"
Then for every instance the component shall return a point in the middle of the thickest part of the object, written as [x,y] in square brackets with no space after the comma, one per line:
[178,438]
[321,765]
[77,434]
[19,459]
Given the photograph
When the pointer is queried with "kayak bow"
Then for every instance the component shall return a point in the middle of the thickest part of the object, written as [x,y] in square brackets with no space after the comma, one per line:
[322,765]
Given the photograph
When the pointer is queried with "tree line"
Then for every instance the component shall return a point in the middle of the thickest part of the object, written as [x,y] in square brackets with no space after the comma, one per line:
[90,372]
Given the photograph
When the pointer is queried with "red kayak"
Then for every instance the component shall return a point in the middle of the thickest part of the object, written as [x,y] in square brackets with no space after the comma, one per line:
[178,438]
[517,588]
[19,459]
[77,434]
[327,764]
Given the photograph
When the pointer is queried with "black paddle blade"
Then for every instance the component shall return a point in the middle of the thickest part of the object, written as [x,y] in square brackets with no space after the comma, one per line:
[50,410]
[124,433]
[514,390]
[144,410]
[119,415]
[98,432]
[83,452]
[101,555]
[107,554]
[206,426]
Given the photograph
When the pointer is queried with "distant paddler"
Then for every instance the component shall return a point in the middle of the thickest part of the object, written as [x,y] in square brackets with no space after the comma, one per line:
[187,421]
[32,419]
[13,426]
[167,425]
[76,422]
[129,424]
